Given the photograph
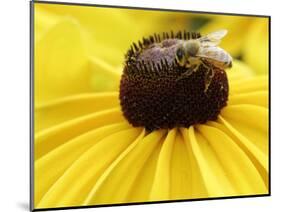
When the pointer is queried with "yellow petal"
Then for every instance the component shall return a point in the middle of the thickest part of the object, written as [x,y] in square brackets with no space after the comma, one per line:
[61,158]
[259,98]
[251,121]
[116,183]
[140,189]
[86,170]
[258,158]
[237,167]
[161,185]
[184,182]
[57,135]
[213,174]
[105,183]
[259,83]
[67,108]
[197,185]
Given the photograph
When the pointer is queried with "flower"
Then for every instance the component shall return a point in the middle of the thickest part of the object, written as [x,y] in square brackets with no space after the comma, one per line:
[86,152]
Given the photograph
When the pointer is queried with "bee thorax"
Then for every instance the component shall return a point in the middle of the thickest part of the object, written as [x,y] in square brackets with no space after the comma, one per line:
[192,47]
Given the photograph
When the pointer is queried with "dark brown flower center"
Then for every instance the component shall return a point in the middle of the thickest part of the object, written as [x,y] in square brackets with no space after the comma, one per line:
[153,93]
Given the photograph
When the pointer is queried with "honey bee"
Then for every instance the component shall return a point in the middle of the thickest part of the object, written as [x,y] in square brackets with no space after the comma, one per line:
[195,52]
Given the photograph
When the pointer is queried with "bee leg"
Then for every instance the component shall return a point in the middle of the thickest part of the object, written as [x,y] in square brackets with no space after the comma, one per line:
[208,77]
[186,74]
[196,67]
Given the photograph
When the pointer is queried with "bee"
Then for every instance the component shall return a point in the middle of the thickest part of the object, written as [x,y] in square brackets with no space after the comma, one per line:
[195,52]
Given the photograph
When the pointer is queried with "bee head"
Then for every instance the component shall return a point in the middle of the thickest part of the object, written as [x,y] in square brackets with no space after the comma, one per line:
[192,47]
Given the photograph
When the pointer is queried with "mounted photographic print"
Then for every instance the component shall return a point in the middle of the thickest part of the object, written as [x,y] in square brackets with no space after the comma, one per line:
[136,105]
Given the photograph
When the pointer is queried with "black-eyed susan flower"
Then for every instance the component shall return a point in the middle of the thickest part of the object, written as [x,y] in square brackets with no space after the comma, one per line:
[149,138]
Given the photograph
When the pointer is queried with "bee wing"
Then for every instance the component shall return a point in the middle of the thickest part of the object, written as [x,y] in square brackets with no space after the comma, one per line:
[213,53]
[212,39]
